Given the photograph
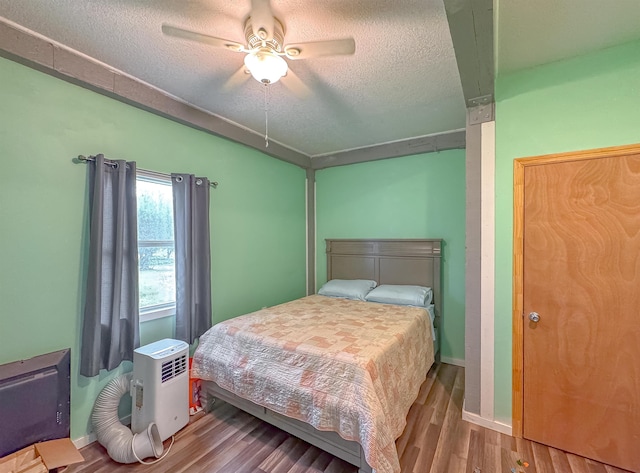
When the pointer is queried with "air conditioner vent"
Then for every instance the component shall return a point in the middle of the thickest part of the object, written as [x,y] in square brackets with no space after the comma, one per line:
[172,368]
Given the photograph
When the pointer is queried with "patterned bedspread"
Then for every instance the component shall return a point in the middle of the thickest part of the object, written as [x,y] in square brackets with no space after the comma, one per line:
[348,366]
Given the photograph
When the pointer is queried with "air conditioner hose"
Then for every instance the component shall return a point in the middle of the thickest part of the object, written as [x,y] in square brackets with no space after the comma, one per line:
[121,444]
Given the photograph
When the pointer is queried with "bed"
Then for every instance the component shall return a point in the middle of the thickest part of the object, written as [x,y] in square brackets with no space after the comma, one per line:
[306,393]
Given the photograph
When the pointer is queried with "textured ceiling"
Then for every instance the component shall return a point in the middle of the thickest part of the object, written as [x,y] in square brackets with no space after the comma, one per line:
[537,32]
[402,82]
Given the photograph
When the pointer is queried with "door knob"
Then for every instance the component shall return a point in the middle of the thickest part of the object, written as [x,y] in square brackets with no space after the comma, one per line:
[534,317]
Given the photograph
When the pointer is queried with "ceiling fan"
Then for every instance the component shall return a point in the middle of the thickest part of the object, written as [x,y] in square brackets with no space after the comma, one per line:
[265,49]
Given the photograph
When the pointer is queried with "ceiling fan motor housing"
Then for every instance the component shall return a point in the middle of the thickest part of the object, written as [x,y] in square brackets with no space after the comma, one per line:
[254,41]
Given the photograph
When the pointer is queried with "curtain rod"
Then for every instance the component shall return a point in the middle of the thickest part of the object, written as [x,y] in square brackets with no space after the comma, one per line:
[82,158]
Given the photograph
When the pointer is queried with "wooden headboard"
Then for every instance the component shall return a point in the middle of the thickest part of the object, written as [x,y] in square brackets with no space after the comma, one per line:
[415,262]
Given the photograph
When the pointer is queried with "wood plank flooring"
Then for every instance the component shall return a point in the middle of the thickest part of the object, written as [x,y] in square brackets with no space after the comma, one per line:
[436,440]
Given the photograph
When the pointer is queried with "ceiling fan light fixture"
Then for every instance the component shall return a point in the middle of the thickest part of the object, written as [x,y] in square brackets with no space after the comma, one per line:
[265,66]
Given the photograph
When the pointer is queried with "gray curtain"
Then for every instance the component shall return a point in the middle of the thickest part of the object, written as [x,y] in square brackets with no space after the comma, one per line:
[110,330]
[193,255]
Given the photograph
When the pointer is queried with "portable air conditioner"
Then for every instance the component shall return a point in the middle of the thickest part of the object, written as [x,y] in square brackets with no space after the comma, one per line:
[160,387]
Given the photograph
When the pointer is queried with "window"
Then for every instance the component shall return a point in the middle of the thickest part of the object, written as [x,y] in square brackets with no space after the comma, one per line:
[156,249]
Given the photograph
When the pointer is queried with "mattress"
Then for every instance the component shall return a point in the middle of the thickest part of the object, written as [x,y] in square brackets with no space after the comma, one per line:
[351,367]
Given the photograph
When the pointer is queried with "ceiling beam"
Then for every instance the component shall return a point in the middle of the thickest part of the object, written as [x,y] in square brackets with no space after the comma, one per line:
[471,27]
[46,56]
[424,144]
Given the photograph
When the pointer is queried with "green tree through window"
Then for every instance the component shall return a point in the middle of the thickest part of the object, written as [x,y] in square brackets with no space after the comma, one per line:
[156,256]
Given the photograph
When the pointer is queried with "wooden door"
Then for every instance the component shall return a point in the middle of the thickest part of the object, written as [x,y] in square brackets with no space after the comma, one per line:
[581,367]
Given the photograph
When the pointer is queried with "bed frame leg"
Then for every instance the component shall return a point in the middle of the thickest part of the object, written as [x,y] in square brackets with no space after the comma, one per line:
[364,466]
[207,400]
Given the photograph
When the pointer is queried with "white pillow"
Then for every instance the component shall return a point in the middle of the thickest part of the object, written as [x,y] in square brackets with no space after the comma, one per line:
[347,288]
[402,295]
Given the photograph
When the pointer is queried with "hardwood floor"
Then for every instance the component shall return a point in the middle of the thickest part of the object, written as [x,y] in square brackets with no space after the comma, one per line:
[436,440]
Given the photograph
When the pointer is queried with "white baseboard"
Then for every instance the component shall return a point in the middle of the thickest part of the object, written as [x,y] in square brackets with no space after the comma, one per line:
[452,361]
[487,423]
[84,441]
[91,437]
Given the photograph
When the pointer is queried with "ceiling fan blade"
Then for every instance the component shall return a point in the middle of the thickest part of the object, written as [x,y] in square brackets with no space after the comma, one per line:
[292,82]
[202,38]
[332,47]
[262,20]
[238,77]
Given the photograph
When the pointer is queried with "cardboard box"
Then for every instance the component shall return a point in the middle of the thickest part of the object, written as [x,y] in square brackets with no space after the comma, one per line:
[41,457]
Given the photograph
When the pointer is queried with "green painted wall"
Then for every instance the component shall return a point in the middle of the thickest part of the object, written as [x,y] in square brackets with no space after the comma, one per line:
[421,196]
[588,102]
[257,215]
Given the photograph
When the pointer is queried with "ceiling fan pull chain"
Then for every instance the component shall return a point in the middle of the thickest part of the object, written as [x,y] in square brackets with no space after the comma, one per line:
[266,115]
